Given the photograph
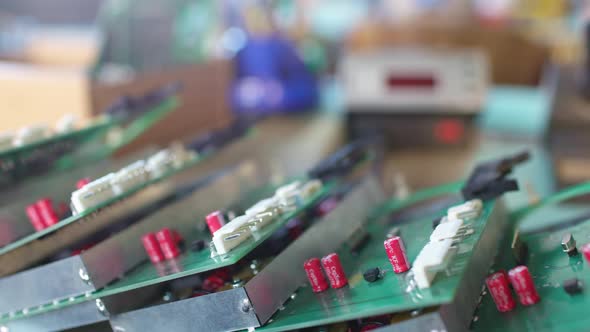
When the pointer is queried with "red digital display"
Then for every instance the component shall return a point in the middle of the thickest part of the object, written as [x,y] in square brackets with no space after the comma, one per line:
[397,81]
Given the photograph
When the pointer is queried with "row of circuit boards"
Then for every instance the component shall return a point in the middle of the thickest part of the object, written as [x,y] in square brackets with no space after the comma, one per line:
[211,239]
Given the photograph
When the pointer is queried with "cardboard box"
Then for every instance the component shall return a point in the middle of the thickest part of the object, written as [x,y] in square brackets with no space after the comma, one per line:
[34,94]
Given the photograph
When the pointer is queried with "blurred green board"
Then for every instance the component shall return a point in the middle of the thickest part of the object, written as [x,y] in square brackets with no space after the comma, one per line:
[73,148]
[388,295]
[550,267]
[189,263]
[75,218]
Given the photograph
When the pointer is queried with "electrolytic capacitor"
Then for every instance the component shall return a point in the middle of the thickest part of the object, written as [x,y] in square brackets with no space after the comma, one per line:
[167,244]
[499,288]
[35,217]
[334,270]
[214,221]
[586,252]
[523,285]
[47,212]
[152,247]
[396,252]
[313,269]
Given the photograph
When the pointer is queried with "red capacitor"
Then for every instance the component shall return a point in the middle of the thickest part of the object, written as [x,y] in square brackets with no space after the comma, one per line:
[152,247]
[34,214]
[178,239]
[394,247]
[586,252]
[47,212]
[313,269]
[82,182]
[334,270]
[214,221]
[523,285]
[500,290]
[167,243]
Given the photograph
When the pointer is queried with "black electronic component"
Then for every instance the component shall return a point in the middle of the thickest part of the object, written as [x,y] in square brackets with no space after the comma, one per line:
[568,244]
[198,245]
[373,274]
[488,179]
[345,159]
[573,286]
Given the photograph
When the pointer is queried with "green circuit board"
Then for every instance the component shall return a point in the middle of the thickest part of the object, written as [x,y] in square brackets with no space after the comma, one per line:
[89,212]
[549,266]
[64,151]
[388,295]
[189,263]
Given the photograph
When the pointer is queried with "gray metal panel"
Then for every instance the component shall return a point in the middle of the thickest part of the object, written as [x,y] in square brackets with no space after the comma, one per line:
[58,280]
[77,315]
[193,314]
[113,257]
[270,288]
[458,314]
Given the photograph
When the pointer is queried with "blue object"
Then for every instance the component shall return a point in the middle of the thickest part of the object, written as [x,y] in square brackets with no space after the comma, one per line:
[272,77]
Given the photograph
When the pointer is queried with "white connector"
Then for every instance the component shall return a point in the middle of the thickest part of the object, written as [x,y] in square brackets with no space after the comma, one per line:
[93,194]
[232,234]
[27,135]
[66,123]
[129,177]
[446,230]
[311,187]
[466,211]
[262,206]
[159,163]
[6,140]
[434,257]
[290,194]
[180,155]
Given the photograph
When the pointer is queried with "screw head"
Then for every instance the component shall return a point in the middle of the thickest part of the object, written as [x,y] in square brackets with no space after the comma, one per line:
[83,274]
[246,306]
[101,307]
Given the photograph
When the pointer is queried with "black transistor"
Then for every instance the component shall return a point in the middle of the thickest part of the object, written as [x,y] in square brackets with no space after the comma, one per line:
[488,180]
[373,274]
[572,286]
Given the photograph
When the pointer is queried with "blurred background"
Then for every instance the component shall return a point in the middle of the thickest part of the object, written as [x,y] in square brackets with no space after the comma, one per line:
[442,82]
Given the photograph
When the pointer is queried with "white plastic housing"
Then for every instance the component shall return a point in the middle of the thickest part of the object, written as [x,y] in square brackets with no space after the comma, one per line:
[66,124]
[466,211]
[310,188]
[262,206]
[289,194]
[232,234]
[446,230]
[129,177]
[27,135]
[434,257]
[159,163]
[93,194]
[6,140]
